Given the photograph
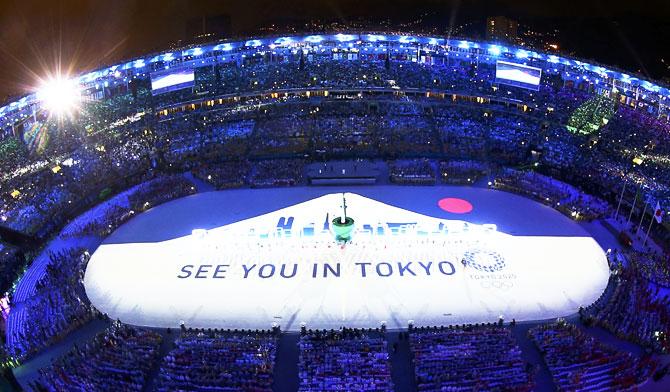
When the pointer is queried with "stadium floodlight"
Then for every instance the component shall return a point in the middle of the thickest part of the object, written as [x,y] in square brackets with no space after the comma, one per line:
[345,37]
[284,41]
[314,39]
[224,47]
[59,95]
[376,37]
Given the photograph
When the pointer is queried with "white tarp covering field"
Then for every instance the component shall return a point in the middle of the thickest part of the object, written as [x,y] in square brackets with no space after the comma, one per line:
[400,266]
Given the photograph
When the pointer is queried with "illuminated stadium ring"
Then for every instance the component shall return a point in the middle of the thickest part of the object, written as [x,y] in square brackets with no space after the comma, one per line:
[484,260]
[515,72]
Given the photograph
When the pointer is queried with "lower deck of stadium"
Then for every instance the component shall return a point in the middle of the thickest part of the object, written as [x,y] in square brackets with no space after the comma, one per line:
[512,215]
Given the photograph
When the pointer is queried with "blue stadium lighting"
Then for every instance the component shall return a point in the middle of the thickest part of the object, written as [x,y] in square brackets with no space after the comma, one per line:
[395,43]
[89,77]
[375,37]
[345,37]
[284,41]
[224,47]
[314,39]
[495,50]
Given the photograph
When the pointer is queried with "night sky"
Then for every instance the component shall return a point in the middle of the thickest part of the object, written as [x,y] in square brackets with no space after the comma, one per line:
[37,36]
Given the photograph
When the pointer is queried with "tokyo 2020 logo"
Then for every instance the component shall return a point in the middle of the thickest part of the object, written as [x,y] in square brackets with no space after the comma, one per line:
[484,260]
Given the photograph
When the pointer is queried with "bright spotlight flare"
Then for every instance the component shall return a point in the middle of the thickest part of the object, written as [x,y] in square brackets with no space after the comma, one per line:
[60,95]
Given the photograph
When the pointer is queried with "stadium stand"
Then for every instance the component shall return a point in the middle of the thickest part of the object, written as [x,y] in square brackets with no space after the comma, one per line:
[344,360]
[577,361]
[469,358]
[431,109]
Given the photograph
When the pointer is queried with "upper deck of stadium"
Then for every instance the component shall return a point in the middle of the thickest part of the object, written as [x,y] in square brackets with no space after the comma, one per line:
[633,90]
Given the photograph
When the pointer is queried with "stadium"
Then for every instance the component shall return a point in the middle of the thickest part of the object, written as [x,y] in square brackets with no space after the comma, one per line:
[352,211]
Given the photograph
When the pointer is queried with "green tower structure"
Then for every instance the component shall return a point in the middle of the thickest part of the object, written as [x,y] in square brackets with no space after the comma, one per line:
[343,225]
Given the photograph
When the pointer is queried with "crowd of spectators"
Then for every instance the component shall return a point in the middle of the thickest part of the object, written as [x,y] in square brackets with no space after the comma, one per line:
[348,360]
[225,175]
[462,172]
[412,172]
[469,358]
[113,216]
[45,194]
[652,265]
[384,127]
[57,306]
[284,135]
[277,172]
[139,198]
[219,361]
[12,260]
[158,191]
[579,362]
[635,312]
[564,197]
[119,359]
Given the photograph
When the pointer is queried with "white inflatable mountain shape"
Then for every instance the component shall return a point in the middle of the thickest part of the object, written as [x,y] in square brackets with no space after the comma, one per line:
[400,266]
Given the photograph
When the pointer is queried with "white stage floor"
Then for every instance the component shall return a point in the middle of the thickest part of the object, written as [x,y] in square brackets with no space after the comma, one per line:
[408,260]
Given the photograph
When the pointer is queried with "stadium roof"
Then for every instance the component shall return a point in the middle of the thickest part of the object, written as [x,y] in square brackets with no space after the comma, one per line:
[490,49]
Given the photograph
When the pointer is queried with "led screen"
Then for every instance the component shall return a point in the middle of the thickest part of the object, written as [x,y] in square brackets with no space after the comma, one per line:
[518,75]
[165,81]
